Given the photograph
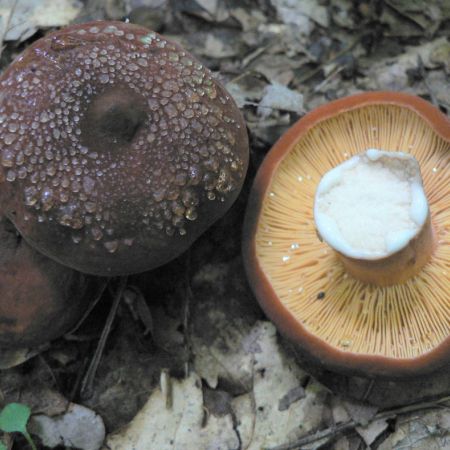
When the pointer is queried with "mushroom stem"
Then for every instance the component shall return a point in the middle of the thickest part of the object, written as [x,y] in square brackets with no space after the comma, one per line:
[372,210]
[396,268]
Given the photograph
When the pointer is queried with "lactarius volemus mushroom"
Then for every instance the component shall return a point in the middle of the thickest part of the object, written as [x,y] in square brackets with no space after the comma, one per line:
[40,299]
[118,148]
[346,245]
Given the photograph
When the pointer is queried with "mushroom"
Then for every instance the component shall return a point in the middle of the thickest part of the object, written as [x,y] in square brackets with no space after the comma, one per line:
[375,315]
[39,299]
[118,148]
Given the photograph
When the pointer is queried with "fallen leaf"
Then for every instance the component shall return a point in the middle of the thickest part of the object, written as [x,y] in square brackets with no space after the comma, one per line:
[360,412]
[372,431]
[261,423]
[180,427]
[300,13]
[248,19]
[79,427]
[28,16]
[227,357]
[14,357]
[392,73]
[238,94]
[44,400]
[428,430]
[428,14]
[277,96]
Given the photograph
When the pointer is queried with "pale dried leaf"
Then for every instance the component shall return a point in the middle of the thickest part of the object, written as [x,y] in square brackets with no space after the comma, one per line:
[300,13]
[237,93]
[179,427]
[360,412]
[215,47]
[428,14]
[14,357]
[261,422]
[428,430]
[372,431]
[79,427]
[30,15]
[338,411]
[228,356]
[248,19]
[277,96]
[392,73]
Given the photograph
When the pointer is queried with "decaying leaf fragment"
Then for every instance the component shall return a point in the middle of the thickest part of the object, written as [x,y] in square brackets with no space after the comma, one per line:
[265,416]
[79,427]
[184,425]
[20,20]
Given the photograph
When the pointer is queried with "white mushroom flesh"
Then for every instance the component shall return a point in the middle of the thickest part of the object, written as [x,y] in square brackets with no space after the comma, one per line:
[372,205]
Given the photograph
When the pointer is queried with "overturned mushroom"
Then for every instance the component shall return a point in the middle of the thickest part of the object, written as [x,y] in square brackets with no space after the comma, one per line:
[378,313]
[39,299]
[118,148]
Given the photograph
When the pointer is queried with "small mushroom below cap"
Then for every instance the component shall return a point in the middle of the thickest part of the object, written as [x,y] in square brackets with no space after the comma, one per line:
[40,300]
[118,148]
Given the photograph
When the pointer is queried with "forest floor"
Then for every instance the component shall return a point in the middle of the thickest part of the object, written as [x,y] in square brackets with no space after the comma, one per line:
[191,361]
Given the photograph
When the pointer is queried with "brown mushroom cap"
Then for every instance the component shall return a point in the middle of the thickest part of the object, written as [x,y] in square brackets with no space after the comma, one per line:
[335,320]
[39,299]
[118,148]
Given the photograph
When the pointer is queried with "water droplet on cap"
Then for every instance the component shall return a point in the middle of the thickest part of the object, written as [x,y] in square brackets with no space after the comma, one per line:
[111,246]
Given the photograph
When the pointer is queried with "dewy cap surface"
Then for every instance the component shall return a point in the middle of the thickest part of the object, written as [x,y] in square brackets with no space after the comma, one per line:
[336,320]
[118,148]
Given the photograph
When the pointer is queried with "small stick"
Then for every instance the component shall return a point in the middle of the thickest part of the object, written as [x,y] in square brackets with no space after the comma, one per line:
[187,313]
[70,334]
[88,380]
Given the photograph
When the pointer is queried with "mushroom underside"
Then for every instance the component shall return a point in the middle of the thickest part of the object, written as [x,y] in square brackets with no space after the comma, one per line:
[402,322]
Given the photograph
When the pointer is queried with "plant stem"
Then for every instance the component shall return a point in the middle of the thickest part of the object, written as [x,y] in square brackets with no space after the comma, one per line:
[30,441]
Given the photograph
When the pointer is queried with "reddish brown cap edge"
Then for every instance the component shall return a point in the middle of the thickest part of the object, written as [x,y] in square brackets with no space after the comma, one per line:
[316,348]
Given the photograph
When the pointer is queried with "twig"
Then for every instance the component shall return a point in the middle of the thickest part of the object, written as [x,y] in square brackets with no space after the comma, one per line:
[186,318]
[69,335]
[244,75]
[336,71]
[259,51]
[88,381]
[351,424]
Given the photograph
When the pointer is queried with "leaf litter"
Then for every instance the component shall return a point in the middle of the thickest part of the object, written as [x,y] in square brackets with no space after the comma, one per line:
[191,362]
